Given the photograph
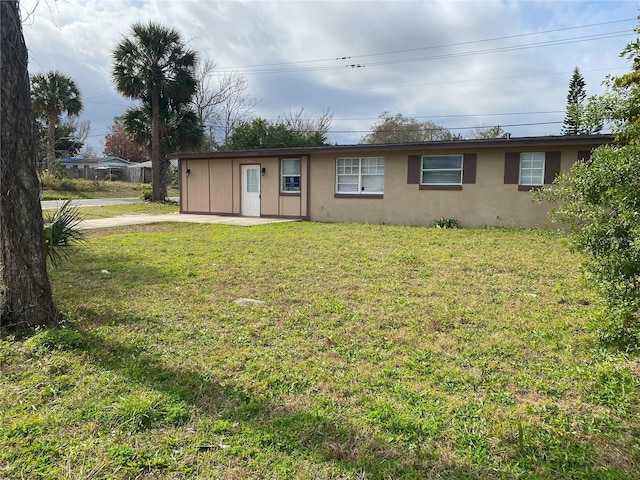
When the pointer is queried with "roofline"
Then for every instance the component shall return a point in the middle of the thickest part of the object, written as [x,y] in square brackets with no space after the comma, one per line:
[556,140]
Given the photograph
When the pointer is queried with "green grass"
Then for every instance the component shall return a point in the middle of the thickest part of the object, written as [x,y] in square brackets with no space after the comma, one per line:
[54,189]
[145,208]
[381,352]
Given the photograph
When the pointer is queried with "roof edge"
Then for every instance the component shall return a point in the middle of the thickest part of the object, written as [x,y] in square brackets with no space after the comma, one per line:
[550,140]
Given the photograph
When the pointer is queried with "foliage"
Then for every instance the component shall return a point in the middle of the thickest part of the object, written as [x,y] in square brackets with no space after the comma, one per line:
[61,229]
[480,133]
[400,129]
[54,94]
[261,134]
[154,65]
[118,144]
[182,130]
[382,352]
[576,122]
[445,223]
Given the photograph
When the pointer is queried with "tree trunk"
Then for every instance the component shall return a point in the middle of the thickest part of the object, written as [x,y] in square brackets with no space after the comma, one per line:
[159,187]
[51,142]
[27,298]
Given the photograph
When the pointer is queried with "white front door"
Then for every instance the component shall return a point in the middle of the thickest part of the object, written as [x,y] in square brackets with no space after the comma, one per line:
[251,190]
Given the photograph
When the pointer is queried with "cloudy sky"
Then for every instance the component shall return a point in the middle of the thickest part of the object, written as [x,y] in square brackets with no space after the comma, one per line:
[460,64]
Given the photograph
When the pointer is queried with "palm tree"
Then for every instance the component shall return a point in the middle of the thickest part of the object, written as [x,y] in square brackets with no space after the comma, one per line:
[53,94]
[154,66]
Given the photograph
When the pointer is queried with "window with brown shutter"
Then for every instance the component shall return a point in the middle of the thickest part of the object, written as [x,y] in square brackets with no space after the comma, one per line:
[511,167]
[469,168]
[413,169]
[551,166]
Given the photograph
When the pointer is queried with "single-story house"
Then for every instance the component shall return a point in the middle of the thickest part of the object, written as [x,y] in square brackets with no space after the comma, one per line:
[476,182]
[87,168]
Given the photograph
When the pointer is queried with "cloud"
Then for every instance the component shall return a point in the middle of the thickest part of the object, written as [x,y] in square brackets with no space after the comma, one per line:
[452,62]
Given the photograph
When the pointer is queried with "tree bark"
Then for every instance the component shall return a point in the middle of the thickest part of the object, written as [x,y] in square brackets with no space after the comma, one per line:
[159,186]
[27,298]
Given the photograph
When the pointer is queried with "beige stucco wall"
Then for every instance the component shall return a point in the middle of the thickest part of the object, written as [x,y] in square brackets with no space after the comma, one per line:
[214,186]
[488,202]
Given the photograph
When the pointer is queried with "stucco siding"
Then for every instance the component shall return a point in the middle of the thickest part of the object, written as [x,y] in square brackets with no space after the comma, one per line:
[486,202]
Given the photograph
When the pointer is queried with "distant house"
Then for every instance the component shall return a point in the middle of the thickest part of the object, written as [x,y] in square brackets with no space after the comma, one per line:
[79,167]
[476,182]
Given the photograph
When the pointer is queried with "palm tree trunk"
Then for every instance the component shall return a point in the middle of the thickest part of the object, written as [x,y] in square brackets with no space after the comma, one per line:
[159,190]
[27,298]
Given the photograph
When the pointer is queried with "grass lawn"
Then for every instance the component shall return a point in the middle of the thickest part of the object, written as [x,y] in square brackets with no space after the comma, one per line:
[381,352]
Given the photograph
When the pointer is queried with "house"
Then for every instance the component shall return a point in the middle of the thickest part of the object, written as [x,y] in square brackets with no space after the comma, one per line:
[87,168]
[476,182]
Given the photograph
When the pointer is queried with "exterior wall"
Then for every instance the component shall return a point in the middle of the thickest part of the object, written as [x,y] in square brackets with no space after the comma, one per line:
[487,202]
[214,186]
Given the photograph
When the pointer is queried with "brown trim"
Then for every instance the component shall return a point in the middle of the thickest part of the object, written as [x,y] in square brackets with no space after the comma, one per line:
[551,166]
[357,195]
[528,188]
[308,189]
[414,168]
[469,164]
[440,187]
[512,168]
[280,192]
[584,155]
[522,144]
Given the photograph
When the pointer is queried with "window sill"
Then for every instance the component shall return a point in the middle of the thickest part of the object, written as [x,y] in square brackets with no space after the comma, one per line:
[440,187]
[289,194]
[529,188]
[358,195]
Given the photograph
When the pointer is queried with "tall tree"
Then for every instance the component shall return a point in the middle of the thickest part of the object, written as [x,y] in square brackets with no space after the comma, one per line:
[118,144]
[154,65]
[400,129]
[221,103]
[575,121]
[54,94]
[599,201]
[27,298]
[260,134]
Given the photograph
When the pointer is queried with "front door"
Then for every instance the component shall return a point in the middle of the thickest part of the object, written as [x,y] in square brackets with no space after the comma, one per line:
[251,190]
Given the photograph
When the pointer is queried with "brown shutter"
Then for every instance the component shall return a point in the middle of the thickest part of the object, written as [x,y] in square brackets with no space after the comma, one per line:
[512,167]
[551,166]
[413,169]
[469,168]
[584,155]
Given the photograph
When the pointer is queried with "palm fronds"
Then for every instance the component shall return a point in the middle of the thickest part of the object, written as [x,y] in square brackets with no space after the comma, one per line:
[61,228]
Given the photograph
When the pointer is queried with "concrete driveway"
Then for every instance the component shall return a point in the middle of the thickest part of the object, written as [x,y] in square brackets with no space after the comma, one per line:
[125,220]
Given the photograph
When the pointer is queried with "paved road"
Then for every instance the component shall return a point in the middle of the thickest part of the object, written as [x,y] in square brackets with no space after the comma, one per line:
[96,202]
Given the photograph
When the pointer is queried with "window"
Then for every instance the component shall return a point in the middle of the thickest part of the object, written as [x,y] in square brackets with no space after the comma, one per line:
[360,175]
[290,171]
[441,170]
[531,168]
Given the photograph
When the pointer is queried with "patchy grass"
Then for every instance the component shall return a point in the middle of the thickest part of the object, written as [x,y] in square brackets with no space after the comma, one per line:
[146,208]
[381,352]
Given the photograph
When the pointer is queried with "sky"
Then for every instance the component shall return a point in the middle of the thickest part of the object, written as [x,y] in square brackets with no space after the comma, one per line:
[459,64]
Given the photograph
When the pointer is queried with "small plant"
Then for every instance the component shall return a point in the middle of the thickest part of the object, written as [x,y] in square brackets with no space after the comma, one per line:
[60,229]
[445,223]
[146,194]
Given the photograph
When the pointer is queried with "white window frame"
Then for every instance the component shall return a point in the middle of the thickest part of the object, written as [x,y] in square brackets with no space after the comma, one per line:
[357,171]
[283,175]
[532,166]
[423,170]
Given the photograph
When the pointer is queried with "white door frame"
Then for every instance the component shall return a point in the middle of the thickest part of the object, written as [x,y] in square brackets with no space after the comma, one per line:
[250,189]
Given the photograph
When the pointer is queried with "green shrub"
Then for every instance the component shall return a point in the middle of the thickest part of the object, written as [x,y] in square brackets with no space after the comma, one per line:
[445,223]
[146,194]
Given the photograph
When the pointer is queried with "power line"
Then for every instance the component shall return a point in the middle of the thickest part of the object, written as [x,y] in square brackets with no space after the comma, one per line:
[233,68]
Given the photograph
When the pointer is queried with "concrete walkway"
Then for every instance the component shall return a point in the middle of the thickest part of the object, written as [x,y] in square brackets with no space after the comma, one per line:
[125,220]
